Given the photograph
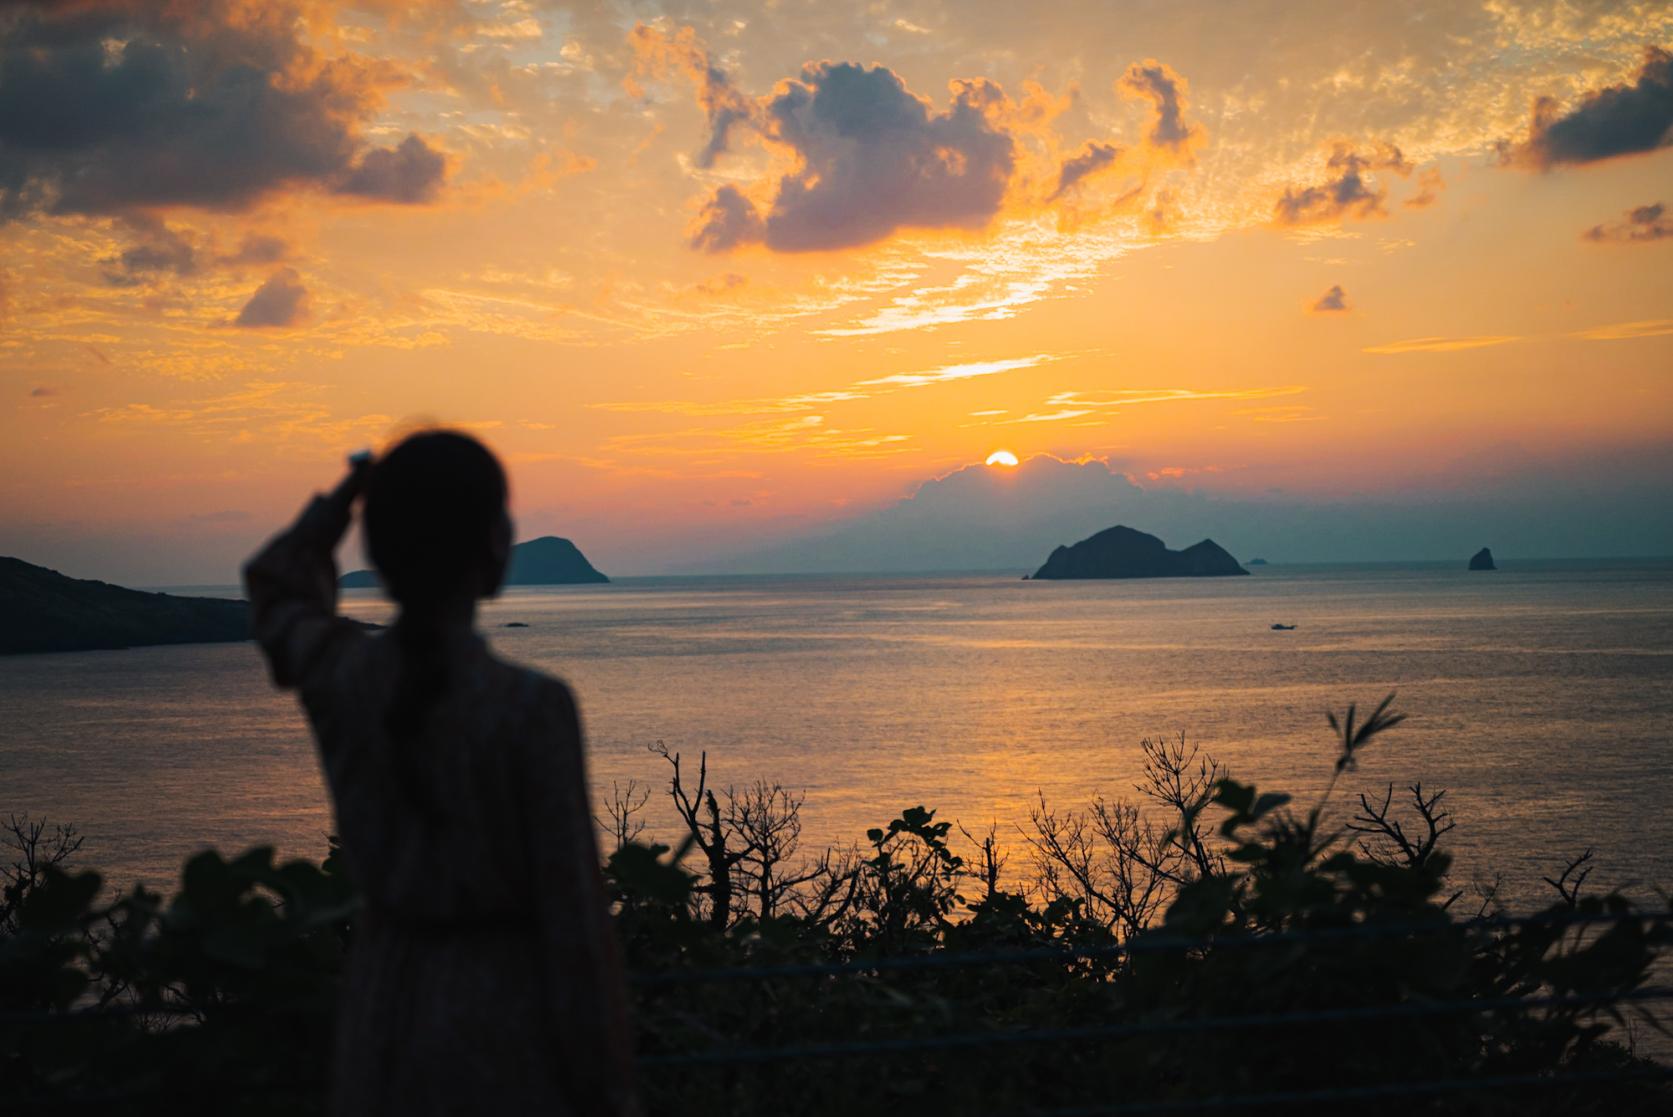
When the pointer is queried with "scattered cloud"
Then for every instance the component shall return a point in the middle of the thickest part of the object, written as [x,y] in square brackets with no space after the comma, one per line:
[1629,331]
[727,220]
[856,156]
[1441,344]
[657,52]
[110,108]
[1332,301]
[1077,404]
[958,372]
[257,248]
[1161,85]
[721,284]
[1092,158]
[284,411]
[158,250]
[1637,225]
[1348,193]
[42,392]
[409,174]
[1429,187]
[859,390]
[281,301]
[1614,120]
[870,157]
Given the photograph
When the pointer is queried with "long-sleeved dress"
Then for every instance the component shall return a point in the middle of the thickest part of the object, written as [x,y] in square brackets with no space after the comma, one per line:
[483,977]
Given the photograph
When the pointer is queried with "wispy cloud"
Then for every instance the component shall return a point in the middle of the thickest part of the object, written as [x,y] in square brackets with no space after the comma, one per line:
[773,436]
[812,401]
[277,411]
[1076,405]
[959,372]
[1627,331]
[1026,262]
[1442,344]
[1053,416]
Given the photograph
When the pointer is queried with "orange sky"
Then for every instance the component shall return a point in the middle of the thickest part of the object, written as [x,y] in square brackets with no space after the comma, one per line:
[711,276]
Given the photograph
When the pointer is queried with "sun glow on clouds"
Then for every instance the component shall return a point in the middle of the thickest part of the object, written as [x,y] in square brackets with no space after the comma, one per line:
[809,401]
[495,226]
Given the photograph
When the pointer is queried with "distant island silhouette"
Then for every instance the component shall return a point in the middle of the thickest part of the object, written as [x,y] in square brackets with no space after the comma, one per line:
[1122,552]
[1482,560]
[547,561]
[42,610]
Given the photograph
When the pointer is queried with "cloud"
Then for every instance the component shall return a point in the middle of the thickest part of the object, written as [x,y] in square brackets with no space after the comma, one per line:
[1089,160]
[1639,224]
[409,174]
[1429,187]
[1629,331]
[727,220]
[1349,193]
[1334,300]
[257,248]
[1161,85]
[160,249]
[859,390]
[1077,404]
[871,157]
[1614,120]
[115,107]
[958,372]
[859,156]
[657,53]
[1440,344]
[281,301]
[721,284]
[42,392]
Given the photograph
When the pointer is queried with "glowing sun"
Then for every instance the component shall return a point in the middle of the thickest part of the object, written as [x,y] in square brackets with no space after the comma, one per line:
[1002,457]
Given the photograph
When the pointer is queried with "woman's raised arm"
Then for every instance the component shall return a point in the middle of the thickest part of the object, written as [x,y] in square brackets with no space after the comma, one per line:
[292,583]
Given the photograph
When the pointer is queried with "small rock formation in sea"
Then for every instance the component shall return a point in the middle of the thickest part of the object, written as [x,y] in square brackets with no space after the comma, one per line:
[42,610]
[1121,552]
[547,561]
[1482,560]
[1255,562]
[514,624]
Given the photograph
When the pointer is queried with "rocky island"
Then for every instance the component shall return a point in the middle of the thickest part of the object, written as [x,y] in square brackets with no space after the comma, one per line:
[1122,552]
[547,561]
[42,610]
[1482,560]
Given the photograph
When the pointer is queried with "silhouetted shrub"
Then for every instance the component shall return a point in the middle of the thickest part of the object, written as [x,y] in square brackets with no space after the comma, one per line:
[1223,944]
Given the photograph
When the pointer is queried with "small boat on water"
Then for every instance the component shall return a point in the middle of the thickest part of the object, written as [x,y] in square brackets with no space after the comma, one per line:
[1283,628]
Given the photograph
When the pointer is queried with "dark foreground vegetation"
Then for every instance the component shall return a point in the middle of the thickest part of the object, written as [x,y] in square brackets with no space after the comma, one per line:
[1205,948]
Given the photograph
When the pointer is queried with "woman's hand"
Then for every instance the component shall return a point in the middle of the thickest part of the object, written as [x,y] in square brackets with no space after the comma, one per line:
[326,518]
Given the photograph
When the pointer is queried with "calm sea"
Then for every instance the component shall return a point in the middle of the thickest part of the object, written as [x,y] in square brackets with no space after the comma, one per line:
[1540,696]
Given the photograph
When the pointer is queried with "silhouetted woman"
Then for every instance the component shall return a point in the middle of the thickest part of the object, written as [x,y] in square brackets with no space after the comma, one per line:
[483,976]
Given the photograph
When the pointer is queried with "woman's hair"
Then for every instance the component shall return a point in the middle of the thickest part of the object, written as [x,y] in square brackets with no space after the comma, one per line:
[435,506]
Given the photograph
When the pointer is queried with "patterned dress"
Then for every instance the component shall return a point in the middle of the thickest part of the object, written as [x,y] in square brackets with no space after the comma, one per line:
[483,977]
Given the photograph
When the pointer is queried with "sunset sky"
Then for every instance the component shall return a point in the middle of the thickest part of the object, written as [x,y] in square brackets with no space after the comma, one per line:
[712,277]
